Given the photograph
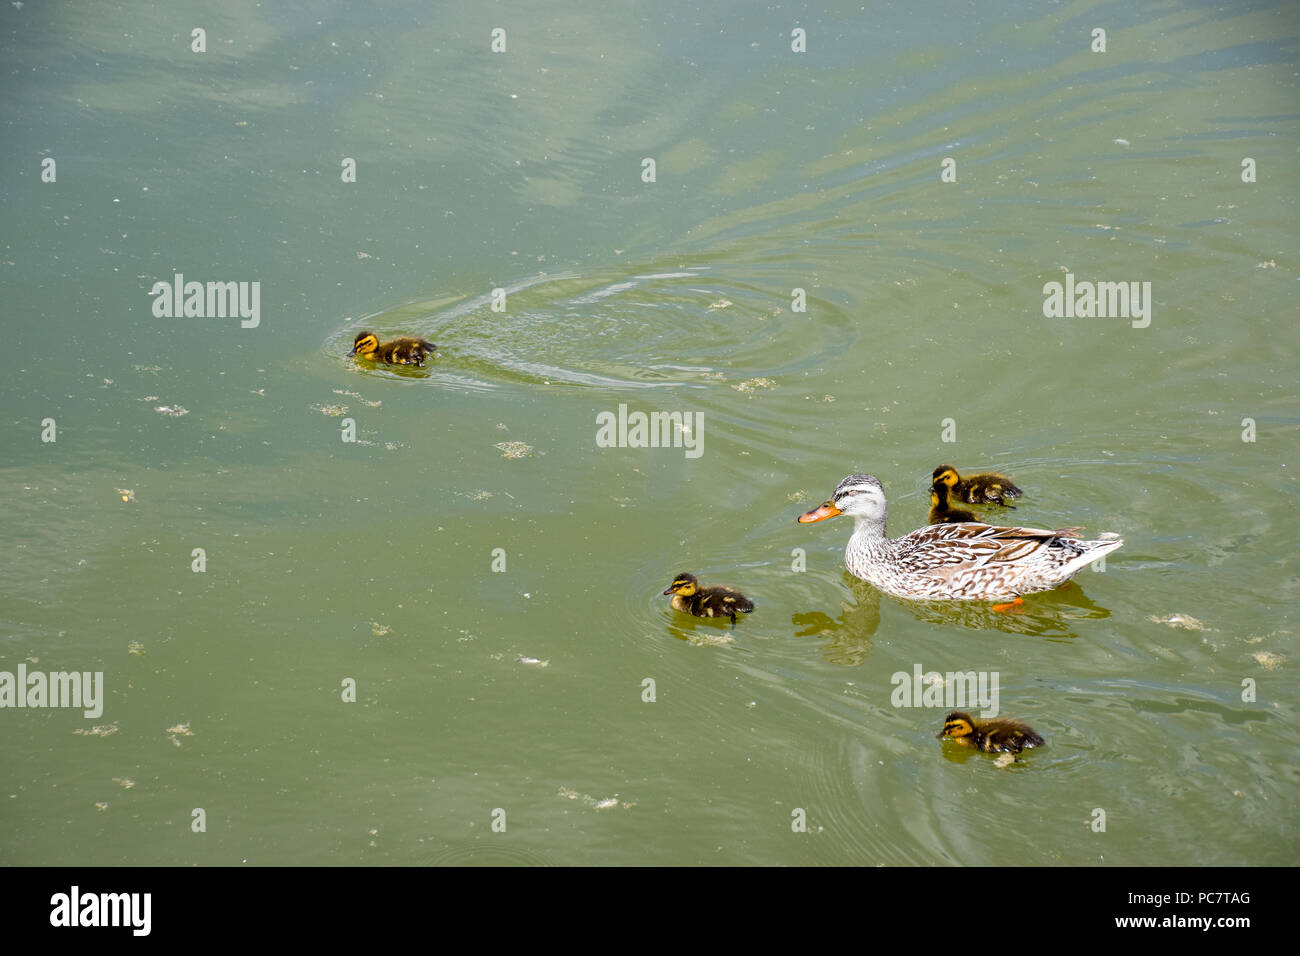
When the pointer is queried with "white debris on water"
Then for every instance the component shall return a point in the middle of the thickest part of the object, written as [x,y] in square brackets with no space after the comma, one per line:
[606,803]
[1184,621]
[1268,659]
[514,449]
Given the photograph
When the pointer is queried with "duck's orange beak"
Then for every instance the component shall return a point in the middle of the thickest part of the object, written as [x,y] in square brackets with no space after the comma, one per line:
[824,510]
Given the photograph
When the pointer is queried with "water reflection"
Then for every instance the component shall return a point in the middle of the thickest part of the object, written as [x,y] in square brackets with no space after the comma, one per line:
[956,753]
[703,632]
[1050,615]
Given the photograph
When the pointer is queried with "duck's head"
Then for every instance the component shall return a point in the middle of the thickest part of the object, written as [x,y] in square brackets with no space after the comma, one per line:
[946,475]
[365,344]
[858,495]
[957,725]
[684,584]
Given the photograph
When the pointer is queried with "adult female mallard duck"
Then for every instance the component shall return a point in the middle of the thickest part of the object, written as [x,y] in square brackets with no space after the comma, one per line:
[953,562]
[400,351]
[990,736]
[990,487]
[943,513]
[716,601]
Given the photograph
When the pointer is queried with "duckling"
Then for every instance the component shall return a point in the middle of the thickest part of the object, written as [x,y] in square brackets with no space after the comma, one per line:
[989,487]
[716,601]
[399,351]
[941,512]
[991,736]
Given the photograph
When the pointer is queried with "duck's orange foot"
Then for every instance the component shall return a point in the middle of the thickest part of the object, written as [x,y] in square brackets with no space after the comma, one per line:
[1003,608]
[1066,586]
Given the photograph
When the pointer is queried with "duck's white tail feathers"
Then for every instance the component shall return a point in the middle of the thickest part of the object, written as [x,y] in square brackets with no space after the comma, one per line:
[1090,551]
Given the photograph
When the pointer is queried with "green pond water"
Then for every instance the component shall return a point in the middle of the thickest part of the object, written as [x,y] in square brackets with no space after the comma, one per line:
[490,577]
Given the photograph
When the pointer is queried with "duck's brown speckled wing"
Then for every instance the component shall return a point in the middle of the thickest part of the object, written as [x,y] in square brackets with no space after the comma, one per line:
[971,544]
[972,560]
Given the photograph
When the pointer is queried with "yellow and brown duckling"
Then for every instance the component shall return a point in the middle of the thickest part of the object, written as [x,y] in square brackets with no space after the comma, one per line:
[716,601]
[405,350]
[941,512]
[986,488]
[991,736]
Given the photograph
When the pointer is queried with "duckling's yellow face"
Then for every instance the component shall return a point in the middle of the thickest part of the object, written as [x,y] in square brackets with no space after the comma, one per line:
[946,475]
[939,494]
[957,725]
[684,584]
[366,345]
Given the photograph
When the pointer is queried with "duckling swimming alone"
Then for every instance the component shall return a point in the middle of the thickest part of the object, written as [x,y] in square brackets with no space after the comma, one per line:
[988,487]
[991,736]
[405,350]
[941,512]
[716,601]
